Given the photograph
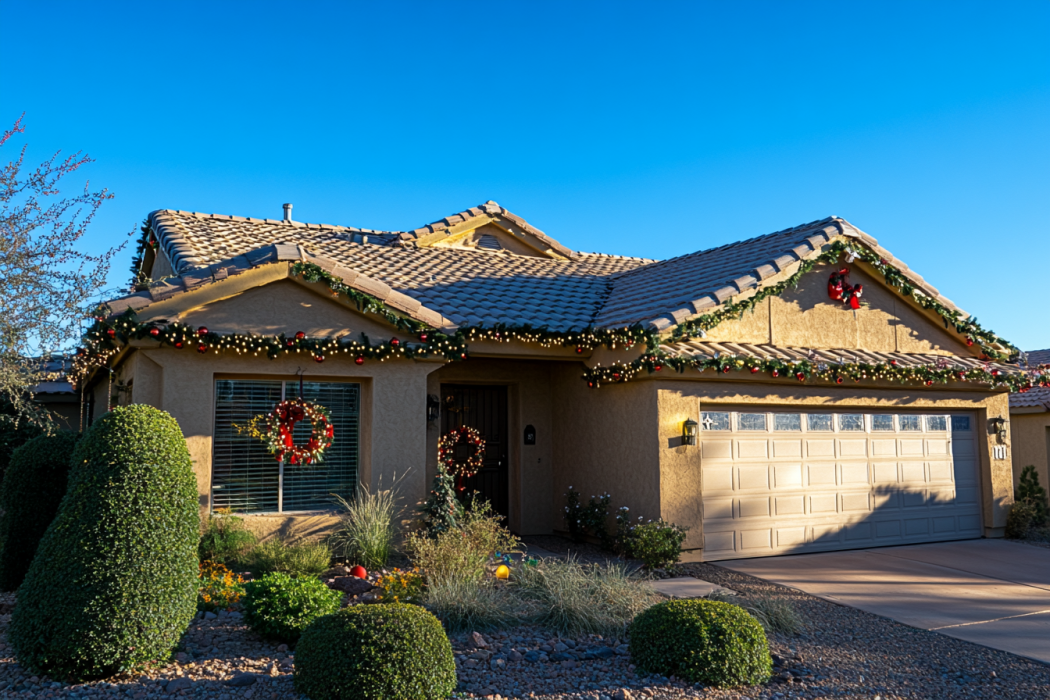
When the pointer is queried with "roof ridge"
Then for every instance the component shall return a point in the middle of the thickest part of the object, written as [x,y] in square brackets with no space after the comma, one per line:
[253,220]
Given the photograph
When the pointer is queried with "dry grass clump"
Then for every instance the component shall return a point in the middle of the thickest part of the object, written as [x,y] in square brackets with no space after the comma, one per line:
[574,598]
[774,614]
[461,554]
[307,559]
[368,530]
[469,605]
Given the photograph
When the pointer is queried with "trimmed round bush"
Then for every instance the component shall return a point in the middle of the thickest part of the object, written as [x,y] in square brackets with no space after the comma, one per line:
[114,581]
[280,607]
[701,641]
[33,486]
[375,652]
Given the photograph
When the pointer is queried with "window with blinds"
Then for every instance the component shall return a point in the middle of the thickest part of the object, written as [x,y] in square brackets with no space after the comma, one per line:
[246,478]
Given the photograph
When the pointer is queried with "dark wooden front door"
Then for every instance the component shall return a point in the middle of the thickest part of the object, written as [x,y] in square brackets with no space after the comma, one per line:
[483,408]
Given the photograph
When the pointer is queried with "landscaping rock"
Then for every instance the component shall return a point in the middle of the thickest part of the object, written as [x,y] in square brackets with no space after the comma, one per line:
[350,585]
[178,684]
[242,680]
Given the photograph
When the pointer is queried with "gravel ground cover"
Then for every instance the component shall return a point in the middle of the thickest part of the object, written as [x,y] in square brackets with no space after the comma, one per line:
[844,653]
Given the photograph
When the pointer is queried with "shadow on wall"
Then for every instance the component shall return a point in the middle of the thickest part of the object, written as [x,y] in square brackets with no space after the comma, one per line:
[836,519]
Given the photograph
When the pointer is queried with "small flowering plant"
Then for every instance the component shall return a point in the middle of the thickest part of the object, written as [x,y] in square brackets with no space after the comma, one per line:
[401,586]
[218,588]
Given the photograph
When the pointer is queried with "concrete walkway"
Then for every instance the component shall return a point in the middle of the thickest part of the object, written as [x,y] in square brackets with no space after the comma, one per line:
[990,592]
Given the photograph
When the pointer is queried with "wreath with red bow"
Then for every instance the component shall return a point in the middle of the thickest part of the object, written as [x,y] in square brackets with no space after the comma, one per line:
[279,427]
[447,453]
[839,289]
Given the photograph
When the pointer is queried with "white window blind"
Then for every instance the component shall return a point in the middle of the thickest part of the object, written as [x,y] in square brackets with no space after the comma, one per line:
[246,478]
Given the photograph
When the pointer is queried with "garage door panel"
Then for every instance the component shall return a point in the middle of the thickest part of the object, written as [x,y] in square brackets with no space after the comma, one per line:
[885,473]
[913,499]
[853,473]
[858,531]
[717,449]
[944,524]
[718,509]
[883,448]
[790,505]
[749,478]
[856,502]
[941,497]
[888,529]
[753,507]
[787,476]
[752,449]
[718,479]
[912,448]
[791,536]
[853,448]
[889,499]
[787,449]
[822,474]
[940,471]
[939,447]
[756,539]
[823,503]
[961,448]
[820,448]
[719,542]
[917,526]
[967,494]
[970,523]
[913,473]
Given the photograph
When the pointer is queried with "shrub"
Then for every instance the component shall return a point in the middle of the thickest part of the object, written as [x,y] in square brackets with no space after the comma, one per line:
[378,652]
[442,510]
[574,598]
[774,614]
[218,587]
[278,606]
[656,543]
[1021,519]
[307,559]
[401,586]
[472,605]
[114,581]
[1028,489]
[15,431]
[588,520]
[33,486]
[225,538]
[368,529]
[701,641]
[462,553]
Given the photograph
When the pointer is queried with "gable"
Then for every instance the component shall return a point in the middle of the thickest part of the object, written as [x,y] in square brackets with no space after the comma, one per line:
[492,238]
[804,316]
[286,307]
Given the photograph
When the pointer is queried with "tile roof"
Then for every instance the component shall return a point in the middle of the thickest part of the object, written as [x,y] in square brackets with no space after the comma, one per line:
[571,290]
[1038,357]
[707,350]
[1037,397]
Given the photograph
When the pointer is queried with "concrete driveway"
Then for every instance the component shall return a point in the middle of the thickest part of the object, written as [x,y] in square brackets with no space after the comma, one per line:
[990,592]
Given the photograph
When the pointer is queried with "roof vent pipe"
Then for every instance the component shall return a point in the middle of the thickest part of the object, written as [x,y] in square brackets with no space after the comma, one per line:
[287,213]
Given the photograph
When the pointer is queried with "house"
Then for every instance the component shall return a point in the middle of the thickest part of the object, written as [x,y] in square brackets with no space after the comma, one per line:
[1030,421]
[799,391]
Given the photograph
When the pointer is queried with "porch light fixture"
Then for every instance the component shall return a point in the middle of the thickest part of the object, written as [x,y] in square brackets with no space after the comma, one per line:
[433,408]
[689,432]
[998,426]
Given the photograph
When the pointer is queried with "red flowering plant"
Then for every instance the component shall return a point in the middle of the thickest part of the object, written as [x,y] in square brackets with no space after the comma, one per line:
[277,430]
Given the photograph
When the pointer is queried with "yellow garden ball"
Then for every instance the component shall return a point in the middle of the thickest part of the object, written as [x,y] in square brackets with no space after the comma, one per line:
[502,571]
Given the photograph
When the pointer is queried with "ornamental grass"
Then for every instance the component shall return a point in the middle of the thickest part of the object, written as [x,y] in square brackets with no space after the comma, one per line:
[367,532]
[306,559]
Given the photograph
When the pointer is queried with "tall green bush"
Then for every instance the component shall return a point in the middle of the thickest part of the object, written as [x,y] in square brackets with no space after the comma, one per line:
[1029,489]
[33,486]
[114,581]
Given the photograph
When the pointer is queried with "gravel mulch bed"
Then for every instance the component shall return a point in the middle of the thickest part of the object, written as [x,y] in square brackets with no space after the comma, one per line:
[843,653]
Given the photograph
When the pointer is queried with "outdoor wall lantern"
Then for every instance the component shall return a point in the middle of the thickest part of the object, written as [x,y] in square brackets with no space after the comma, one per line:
[689,431]
[433,408]
[998,426]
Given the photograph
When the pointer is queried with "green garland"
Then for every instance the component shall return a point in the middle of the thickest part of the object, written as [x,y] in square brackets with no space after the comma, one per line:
[940,372]
[146,239]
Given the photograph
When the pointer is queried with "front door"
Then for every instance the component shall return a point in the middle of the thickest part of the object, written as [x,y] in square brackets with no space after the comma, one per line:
[483,408]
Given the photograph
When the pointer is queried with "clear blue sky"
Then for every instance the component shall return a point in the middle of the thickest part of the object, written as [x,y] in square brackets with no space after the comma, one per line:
[649,129]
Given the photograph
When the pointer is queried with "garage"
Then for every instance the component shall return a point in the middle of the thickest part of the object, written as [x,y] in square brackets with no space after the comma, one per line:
[781,482]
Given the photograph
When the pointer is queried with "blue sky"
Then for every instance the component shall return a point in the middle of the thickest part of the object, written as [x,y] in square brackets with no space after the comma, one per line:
[650,129]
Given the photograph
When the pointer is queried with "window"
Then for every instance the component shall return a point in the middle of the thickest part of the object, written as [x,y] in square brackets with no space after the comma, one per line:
[787,421]
[960,422]
[936,423]
[911,423]
[751,421]
[715,420]
[819,422]
[245,476]
[881,422]
[851,423]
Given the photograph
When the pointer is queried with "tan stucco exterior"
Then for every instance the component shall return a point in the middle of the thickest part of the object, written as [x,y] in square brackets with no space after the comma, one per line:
[1030,439]
[624,439]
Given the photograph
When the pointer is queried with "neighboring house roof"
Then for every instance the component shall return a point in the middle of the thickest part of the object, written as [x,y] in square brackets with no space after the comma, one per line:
[563,290]
[1037,397]
[56,368]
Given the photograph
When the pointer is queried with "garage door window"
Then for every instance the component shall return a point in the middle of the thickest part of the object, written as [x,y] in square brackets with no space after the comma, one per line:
[851,422]
[936,424]
[961,423]
[882,423]
[787,421]
[819,422]
[715,420]
[911,423]
[752,421]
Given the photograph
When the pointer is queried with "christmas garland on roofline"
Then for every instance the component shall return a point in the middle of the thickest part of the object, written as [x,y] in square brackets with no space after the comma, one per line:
[969,328]
[942,371]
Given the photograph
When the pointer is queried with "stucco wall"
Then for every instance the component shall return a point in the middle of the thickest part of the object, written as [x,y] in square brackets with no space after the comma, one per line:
[605,440]
[805,317]
[1030,439]
[681,399]
[529,398]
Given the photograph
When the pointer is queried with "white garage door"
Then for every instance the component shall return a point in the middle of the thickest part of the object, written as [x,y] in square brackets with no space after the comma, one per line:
[791,482]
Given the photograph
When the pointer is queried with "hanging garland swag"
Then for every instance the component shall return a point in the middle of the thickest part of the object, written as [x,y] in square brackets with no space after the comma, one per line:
[279,426]
[447,453]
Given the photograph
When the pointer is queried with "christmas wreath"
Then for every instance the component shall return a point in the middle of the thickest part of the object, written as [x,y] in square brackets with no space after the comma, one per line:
[447,452]
[278,426]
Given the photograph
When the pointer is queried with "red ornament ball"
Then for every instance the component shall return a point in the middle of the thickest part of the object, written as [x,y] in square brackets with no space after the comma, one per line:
[838,380]
[300,335]
[395,342]
[969,342]
[111,333]
[359,572]
[291,343]
[725,370]
[154,332]
[178,344]
[776,373]
[202,348]
[423,337]
[801,377]
[203,330]
[360,360]
[318,358]
[579,349]
[658,367]
[754,370]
